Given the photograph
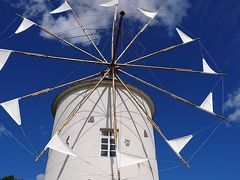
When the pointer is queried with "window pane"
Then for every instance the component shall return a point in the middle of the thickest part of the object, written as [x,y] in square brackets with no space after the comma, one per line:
[104,133]
[104,153]
[104,140]
[112,147]
[112,134]
[112,154]
[104,147]
[112,141]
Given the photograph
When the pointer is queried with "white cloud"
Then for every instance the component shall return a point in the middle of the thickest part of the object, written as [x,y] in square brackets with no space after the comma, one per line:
[232,105]
[3,131]
[96,17]
[40,177]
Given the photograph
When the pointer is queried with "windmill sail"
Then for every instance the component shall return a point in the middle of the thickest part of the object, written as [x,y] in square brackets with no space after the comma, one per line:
[64,7]
[207,104]
[207,68]
[125,160]
[183,36]
[148,13]
[12,108]
[26,23]
[110,3]
[58,145]
[4,55]
[179,143]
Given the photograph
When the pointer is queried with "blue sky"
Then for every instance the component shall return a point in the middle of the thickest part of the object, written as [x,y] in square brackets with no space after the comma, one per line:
[215,22]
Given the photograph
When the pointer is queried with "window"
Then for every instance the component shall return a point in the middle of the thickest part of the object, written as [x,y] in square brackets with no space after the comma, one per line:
[108,148]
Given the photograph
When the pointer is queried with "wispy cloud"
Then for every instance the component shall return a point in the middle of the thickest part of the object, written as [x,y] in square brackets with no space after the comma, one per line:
[95,17]
[232,106]
[3,131]
[40,177]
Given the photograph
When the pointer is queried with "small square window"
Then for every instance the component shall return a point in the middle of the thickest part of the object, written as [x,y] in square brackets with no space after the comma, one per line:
[104,153]
[108,148]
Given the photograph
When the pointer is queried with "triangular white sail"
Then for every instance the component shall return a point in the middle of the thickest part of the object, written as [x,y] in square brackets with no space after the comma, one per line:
[125,160]
[207,68]
[4,55]
[64,7]
[12,108]
[26,23]
[207,104]
[110,3]
[58,145]
[179,143]
[183,36]
[148,13]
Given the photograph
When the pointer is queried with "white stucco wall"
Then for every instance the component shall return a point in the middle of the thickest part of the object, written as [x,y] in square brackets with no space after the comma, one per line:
[84,137]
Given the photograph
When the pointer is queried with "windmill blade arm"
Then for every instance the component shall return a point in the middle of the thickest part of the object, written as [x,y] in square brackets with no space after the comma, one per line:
[85,32]
[114,108]
[169,69]
[63,40]
[113,29]
[137,35]
[160,51]
[60,86]
[138,105]
[57,57]
[76,109]
[172,95]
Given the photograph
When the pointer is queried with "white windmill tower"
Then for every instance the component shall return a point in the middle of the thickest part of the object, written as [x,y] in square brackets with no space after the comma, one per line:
[103,128]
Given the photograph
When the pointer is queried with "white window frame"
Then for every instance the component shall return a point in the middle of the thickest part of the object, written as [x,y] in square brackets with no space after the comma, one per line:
[109,137]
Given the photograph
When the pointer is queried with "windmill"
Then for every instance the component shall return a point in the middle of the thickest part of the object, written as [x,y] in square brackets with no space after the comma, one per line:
[109,78]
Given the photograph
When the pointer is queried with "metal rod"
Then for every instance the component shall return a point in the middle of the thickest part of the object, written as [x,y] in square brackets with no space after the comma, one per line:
[85,32]
[60,86]
[133,40]
[122,13]
[151,120]
[63,40]
[160,51]
[169,69]
[113,29]
[172,95]
[58,58]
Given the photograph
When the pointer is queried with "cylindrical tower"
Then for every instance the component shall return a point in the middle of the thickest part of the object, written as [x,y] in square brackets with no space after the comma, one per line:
[90,135]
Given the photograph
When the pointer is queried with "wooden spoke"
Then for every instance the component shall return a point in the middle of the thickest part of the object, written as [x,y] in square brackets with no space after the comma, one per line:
[114,108]
[159,51]
[133,40]
[60,86]
[85,32]
[75,110]
[64,41]
[138,105]
[58,58]
[169,69]
[113,29]
[172,95]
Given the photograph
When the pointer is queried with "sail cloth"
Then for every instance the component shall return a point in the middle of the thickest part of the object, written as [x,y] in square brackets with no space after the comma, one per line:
[4,55]
[110,3]
[183,36]
[26,23]
[58,145]
[12,108]
[148,13]
[207,68]
[207,104]
[125,160]
[64,7]
[179,143]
